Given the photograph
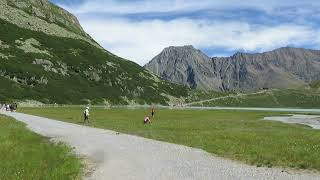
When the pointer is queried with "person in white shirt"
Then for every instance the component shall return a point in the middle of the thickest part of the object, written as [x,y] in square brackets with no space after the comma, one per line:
[147,120]
[86,115]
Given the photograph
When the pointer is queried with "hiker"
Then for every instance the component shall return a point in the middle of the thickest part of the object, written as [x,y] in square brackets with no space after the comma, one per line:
[152,112]
[146,120]
[86,115]
[13,107]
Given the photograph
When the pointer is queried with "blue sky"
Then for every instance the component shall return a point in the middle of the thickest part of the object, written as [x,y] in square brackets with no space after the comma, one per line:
[139,29]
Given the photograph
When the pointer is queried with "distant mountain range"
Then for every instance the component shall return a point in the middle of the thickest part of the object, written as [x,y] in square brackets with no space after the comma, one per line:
[281,68]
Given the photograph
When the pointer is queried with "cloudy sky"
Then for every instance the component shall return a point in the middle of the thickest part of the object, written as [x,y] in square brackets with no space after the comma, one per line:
[139,29]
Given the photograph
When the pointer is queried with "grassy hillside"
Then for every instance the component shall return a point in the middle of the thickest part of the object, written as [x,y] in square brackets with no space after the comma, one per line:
[49,12]
[303,98]
[50,69]
[199,95]
[26,155]
[315,84]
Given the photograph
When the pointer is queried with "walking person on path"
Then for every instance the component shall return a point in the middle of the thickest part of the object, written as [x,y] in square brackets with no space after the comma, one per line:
[86,115]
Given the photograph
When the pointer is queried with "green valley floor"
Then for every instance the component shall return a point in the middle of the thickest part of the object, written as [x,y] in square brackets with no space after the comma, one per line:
[238,135]
[114,155]
[26,155]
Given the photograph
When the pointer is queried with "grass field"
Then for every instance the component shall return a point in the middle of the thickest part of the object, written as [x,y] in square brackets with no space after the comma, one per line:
[237,135]
[26,155]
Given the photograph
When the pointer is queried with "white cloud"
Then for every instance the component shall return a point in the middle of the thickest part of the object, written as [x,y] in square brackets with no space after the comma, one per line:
[140,41]
[147,6]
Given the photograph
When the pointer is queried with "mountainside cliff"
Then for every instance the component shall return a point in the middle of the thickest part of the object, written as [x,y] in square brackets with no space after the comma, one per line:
[280,68]
[46,56]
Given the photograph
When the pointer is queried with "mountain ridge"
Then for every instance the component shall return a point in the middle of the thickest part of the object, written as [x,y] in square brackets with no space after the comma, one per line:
[284,67]
[43,16]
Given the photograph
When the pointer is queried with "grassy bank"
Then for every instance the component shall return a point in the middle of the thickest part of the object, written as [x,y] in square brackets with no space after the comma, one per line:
[237,135]
[26,155]
[299,98]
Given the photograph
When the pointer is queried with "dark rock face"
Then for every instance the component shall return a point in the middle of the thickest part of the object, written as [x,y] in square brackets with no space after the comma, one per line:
[280,68]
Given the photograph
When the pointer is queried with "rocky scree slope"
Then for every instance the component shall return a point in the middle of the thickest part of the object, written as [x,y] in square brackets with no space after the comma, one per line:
[280,68]
[46,56]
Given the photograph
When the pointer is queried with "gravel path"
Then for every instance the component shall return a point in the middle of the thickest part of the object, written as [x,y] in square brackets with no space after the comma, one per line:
[309,120]
[120,156]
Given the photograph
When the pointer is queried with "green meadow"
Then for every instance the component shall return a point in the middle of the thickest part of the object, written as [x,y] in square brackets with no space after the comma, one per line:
[26,155]
[237,135]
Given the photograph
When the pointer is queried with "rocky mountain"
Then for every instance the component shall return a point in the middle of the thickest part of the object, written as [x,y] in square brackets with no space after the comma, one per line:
[43,9]
[280,68]
[46,56]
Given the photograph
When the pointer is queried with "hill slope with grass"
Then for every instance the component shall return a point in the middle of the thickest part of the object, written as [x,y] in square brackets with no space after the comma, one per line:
[315,84]
[46,56]
[276,98]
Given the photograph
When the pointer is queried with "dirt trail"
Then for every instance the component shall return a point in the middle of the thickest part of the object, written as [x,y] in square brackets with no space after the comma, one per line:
[309,120]
[224,97]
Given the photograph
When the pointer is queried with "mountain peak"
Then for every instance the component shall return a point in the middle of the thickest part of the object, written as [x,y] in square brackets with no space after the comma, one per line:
[41,15]
[180,48]
[49,12]
[181,53]
[181,60]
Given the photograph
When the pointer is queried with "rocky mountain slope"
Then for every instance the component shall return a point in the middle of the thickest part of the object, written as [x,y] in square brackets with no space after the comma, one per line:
[46,56]
[280,68]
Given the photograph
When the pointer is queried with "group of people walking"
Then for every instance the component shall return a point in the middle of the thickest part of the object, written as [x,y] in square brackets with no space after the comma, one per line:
[9,107]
